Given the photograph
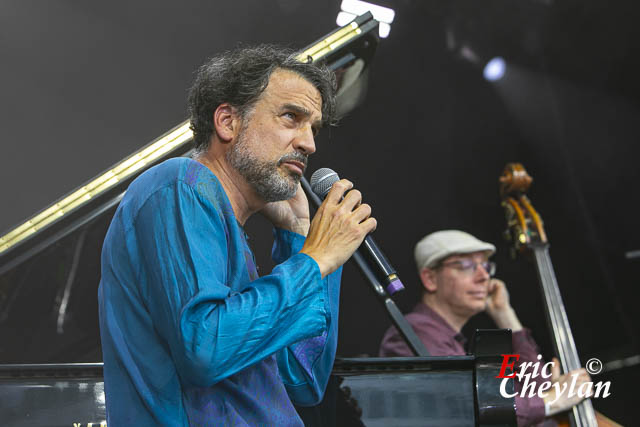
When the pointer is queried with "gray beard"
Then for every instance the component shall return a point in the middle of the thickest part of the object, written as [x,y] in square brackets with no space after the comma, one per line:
[263,176]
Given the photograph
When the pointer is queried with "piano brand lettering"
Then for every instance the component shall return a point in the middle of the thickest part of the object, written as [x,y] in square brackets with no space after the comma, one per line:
[530,387]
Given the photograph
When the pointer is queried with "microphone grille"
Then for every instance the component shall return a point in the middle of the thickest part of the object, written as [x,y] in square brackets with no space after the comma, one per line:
[322,180]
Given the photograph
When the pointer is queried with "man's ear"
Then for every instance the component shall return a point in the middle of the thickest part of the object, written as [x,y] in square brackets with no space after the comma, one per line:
[428,277]
[226,121]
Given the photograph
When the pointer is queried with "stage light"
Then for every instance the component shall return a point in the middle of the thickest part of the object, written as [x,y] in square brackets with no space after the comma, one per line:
[344,18]
[352,8]
[357,7]
[384,30]
[495,69]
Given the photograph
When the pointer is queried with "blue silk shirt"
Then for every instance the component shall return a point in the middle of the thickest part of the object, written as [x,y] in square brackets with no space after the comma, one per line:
[190,334]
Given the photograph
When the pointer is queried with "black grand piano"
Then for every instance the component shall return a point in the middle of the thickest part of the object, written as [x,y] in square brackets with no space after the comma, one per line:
[50,356]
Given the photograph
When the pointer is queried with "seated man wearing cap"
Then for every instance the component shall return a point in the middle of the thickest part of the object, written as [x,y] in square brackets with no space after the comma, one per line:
[457,278]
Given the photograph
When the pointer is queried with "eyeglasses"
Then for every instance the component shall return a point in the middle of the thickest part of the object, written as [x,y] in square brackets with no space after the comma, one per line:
[470,266]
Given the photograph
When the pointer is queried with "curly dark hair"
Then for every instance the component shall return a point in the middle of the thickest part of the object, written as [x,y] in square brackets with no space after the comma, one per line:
[239,77]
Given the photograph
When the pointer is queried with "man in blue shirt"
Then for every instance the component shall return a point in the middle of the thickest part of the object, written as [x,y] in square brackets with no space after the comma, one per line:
[190,334]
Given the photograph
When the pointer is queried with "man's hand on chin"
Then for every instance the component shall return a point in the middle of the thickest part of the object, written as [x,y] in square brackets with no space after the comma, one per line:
[499,308]
[292,214]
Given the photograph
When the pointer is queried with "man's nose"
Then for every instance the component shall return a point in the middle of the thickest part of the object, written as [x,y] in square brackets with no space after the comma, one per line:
[480,270]
[305,141]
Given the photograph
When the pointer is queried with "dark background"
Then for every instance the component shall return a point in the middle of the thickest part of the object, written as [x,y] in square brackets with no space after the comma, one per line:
[84,84]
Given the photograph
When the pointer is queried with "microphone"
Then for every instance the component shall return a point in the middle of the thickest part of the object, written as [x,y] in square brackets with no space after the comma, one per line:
[321,182]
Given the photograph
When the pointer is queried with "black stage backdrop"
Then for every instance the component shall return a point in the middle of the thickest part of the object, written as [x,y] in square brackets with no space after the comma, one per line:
[86,83]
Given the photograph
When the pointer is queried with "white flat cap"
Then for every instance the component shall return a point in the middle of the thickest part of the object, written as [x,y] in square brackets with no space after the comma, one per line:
[441,244]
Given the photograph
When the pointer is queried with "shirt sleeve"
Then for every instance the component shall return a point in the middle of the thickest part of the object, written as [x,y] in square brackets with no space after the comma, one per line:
[525,346]
[211,332]
[305,366]
[529,410]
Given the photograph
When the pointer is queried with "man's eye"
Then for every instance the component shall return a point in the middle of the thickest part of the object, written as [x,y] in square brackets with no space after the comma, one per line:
[290,115]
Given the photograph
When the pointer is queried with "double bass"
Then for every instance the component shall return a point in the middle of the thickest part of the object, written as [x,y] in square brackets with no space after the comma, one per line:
[526,232]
